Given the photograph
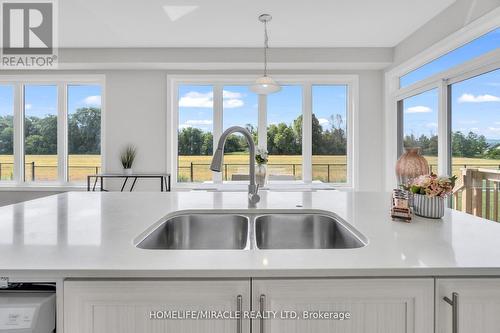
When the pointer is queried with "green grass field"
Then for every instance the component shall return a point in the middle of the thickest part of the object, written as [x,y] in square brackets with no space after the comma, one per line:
[82,165]
[282,164]
[45,167]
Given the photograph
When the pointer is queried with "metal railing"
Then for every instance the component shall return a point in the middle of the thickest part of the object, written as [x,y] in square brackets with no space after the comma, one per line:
[292,169]
[326,172]
[30,170]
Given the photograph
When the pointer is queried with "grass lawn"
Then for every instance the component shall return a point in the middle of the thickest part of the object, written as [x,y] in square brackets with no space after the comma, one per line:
[82,165]
[278,165]
[46,167]
[282,164]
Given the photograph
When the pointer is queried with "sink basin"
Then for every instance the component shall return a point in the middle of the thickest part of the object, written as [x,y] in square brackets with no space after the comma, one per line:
[199,232]
[303,231]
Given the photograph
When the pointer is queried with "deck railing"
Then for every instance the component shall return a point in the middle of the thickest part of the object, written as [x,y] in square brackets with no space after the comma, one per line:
[476,192]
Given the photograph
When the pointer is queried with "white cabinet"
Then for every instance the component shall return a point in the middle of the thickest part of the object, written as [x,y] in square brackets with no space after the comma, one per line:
[478,308]
[125,306]
[375,305]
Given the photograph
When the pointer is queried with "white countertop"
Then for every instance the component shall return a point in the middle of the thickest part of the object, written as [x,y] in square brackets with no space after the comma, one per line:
[90,234]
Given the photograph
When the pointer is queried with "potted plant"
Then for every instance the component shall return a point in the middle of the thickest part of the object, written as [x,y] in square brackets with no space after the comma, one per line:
[127,158]
[429,192]
[261,157]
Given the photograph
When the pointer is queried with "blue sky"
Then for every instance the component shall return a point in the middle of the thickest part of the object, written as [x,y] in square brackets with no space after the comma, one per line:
[475,107]
[41,100]
[475,102]
[240,105]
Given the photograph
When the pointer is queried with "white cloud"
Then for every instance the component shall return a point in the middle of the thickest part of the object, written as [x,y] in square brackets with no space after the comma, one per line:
[231,94]
[198,122]
[431,125]
[323,121]
[469,122]
[494,129]
[418,109]
[195,99]
[233,103]
[92,100]
[28,106]
[469,98]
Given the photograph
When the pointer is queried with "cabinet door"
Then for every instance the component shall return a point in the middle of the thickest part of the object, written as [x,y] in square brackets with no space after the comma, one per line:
[131,306]
[478,307]
[374,305]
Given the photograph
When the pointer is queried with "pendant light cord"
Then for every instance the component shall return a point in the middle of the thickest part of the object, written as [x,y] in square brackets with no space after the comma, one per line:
[266,46]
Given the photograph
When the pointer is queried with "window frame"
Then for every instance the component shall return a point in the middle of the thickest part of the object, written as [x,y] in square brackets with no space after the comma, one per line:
[306,81]
[61,82]
[442,81]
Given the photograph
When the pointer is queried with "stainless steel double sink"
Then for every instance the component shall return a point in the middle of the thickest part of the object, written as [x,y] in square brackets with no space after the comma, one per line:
[244,231]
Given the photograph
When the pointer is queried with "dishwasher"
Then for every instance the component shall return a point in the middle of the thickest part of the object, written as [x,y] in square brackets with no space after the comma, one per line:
[28,308]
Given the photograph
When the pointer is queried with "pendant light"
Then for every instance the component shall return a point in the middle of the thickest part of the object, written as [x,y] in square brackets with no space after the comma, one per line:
[265,85]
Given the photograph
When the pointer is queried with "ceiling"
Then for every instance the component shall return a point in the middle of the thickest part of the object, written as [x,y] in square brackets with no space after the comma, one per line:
[233,23]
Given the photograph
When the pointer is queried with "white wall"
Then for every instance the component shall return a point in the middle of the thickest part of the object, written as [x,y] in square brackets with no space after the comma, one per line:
[455,17]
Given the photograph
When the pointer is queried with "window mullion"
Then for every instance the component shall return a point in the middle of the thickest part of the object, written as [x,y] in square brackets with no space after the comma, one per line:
[217,125]
[62,133]
[18,133]
[444,129]
[262,122]
[307,132]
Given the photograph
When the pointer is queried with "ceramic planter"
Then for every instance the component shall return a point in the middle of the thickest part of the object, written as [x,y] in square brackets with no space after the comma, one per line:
[431,207]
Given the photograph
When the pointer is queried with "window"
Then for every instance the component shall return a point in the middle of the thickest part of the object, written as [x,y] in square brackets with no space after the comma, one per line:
[475,48]
[420,122]
[240,108]
[454,117]
[329,133]
[475,114]
[206,106]
[56,138]
[40,133]
[84,131]
[284,133]
[195,133]
[6,132]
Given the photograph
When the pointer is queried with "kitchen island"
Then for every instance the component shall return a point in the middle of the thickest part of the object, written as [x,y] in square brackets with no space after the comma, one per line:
[74,238]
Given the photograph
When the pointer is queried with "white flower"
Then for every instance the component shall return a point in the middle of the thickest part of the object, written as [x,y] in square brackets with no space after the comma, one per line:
[262,152]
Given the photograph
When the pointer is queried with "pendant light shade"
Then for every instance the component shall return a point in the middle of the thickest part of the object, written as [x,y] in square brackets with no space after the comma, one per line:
[265,85]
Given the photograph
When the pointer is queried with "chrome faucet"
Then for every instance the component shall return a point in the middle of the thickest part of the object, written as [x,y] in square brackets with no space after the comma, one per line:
[218,160]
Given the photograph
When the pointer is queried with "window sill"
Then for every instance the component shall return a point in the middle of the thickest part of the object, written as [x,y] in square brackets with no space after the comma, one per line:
[42,187]
[238,186]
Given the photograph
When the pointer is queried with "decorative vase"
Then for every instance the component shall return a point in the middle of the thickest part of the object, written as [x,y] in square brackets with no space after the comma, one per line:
[128,171]
[261,174]
[411,165]
[425,206]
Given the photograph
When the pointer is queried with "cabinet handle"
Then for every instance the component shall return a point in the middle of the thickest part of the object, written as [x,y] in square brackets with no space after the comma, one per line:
[262,303]
[239,308]
[454,311]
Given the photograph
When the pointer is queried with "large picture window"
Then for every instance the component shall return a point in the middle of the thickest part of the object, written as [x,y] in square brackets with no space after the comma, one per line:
[306,128]
[449,108]
[420,124]
[56,138]
[6,132]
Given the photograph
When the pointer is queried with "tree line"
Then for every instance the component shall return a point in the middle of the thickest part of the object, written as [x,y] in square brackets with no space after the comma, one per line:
[471,145]
[84,128]
[282,139]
